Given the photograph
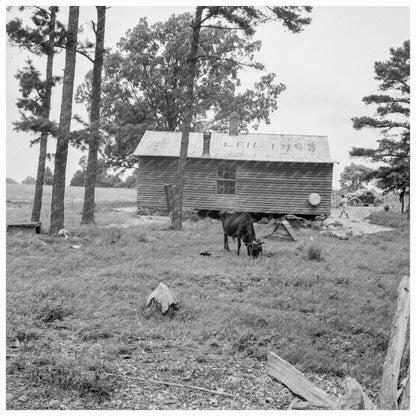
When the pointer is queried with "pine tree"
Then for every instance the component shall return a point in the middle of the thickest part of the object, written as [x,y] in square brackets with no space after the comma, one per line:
[36,93]
[94,137]
[392,119]
[61,154]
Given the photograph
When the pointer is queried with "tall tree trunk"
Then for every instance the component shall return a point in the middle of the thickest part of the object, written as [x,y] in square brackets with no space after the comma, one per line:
[408,207]
[187,118]
[37,202]
[94,139]
[61,155]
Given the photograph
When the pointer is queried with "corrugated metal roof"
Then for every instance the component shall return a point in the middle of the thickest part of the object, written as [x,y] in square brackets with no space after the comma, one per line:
[257,147]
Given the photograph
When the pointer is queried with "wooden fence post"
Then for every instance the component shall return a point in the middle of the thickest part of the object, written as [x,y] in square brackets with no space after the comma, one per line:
[169,196]
[387,399]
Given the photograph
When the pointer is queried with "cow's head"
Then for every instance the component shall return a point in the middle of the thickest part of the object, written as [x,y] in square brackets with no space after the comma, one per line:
[255,248]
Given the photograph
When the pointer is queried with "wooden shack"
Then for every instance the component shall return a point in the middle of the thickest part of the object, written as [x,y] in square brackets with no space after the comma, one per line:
[267,173]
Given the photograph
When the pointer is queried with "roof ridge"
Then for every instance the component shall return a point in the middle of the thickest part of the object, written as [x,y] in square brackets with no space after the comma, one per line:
[241,134]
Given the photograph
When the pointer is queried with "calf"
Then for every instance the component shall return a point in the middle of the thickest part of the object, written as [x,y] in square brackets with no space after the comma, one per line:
[240,225]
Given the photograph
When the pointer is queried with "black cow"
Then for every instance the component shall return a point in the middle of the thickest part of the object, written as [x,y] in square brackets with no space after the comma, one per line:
[240,225]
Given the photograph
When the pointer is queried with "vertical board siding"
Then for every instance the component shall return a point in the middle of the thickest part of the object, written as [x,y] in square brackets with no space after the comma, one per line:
[270,187]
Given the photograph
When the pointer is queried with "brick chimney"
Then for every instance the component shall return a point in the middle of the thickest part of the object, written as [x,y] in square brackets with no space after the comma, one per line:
[234,124]
[207,143]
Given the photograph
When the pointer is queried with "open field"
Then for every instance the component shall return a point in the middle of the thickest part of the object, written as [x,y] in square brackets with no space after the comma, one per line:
[80,337]
[19,200]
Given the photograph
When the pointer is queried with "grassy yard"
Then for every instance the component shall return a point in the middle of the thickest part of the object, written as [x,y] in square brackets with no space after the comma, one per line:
[80,336]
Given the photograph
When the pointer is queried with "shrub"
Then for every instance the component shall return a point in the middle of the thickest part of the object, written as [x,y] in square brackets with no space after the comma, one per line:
[53,311]
[314,253]
[389,219]
[141,238]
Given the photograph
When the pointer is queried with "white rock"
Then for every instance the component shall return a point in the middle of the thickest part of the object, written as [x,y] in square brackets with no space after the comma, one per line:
[340,234]
[328,221]
[63,233]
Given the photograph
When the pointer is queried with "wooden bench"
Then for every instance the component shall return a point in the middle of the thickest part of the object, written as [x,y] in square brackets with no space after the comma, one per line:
[29,226]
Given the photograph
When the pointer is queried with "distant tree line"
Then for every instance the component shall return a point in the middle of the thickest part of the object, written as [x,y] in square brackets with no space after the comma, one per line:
[103,178]
[11,181]
[29,180]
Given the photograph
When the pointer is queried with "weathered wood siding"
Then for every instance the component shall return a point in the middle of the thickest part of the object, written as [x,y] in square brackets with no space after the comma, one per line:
[270,187]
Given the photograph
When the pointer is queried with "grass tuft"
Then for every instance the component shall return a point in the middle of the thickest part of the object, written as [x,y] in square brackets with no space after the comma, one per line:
[53,312]
[314,252]
[141,238]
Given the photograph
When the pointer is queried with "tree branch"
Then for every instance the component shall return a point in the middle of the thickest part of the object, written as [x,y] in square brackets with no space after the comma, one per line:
[209,15]
[42,10]
[127,103]
[406,85]
[167,383]
[218,58]
[80,52]
[149,96]
[222,27]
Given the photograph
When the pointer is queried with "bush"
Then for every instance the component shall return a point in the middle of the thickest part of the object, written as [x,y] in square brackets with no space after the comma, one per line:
[53,312]
[314,253]
[11,181]
[29,181]
[141,238]
[389,219]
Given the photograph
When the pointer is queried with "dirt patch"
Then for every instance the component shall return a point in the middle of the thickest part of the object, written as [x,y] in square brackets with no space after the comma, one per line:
[137,220]
[357,220]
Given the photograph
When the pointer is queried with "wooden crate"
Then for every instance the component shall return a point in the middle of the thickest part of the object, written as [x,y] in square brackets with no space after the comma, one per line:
[29,226]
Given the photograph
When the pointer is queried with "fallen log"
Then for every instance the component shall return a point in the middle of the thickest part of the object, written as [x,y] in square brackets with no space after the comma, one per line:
[391,369]
[283,372]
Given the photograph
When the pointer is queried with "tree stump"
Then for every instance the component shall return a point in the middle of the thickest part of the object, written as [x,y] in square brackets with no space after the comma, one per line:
[164,297]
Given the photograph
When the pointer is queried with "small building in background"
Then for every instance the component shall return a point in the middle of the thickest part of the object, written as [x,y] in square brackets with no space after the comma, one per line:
[258,173]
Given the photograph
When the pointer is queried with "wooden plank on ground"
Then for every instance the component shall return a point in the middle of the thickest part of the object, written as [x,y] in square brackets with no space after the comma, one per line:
[289,229]
[294,380]
[391,369]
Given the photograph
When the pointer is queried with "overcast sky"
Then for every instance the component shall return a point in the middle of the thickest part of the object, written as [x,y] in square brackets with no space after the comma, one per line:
[327,69]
